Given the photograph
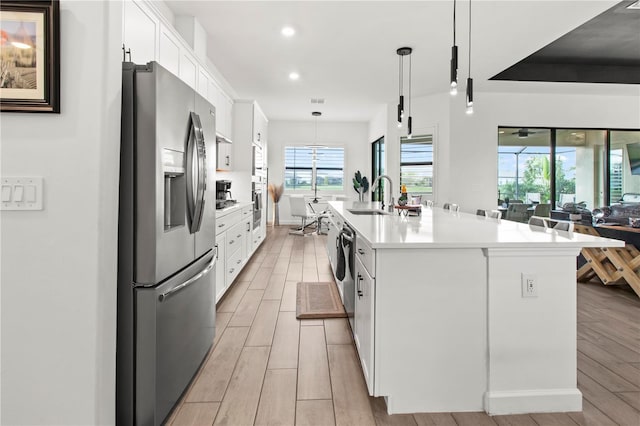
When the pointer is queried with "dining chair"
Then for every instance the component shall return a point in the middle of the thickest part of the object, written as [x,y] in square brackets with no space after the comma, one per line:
[538,221]
[494,214]
[446,206]
[300,208]
[454,207]
[481,212]
[518,212]
[543,210]
[429,203]
[564,226]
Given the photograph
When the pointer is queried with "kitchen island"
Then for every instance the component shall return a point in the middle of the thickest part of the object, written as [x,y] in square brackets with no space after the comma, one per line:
[457,312]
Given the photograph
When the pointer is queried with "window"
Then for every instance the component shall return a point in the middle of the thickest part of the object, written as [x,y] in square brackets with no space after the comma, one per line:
[416,164]
[524,165]
[594,166]
[301,163]
[377,165]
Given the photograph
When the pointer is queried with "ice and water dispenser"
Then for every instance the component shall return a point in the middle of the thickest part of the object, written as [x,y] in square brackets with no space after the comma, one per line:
[175,204]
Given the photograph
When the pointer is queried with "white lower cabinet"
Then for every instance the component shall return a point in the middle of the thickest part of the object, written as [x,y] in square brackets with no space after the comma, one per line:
[235,239]
[365,321]
[234,264]
[221,275]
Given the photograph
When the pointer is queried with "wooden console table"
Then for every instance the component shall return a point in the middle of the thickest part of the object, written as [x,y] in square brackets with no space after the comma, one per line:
[611,265]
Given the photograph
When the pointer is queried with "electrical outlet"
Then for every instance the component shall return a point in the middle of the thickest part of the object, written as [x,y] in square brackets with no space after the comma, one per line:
[529,285]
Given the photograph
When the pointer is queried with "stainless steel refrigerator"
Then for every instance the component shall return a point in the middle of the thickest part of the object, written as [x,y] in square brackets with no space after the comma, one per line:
[166,242]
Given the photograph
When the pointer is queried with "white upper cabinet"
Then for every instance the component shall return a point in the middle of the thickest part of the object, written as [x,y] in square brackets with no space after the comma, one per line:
[203,84]
[188,67]
[224,110]
[169,50]
[139,33]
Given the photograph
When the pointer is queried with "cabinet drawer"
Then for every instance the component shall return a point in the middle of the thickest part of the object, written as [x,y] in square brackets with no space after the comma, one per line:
[234,237]
[234,265]
[247,211]
[225,222]
[367,256]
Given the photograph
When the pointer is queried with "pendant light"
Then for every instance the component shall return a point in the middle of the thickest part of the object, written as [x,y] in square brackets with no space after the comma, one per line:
[402,52]
[409,126]
[314,158]
[454,56]
[469,79]
[400,88]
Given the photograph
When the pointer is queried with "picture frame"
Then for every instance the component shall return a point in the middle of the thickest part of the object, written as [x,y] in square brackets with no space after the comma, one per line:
[30,56]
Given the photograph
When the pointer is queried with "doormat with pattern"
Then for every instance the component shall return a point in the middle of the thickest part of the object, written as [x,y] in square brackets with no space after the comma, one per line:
[318,300]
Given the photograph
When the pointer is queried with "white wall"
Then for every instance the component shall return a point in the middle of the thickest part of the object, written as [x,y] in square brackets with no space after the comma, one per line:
[430,115]
[59,264]
[353,136]
[378,124]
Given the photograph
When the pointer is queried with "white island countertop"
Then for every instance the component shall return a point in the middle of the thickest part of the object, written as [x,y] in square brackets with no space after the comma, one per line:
[439,228]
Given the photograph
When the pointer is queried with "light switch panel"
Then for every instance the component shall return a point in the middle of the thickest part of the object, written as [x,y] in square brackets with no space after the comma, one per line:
[22,193]
[6,193]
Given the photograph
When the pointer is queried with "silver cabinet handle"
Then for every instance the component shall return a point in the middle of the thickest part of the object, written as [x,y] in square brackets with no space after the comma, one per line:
[221,225]
[360,251]
[238,262]
[360,294]
[227,160]
[231,270]
[239,235]
[188,282]
[232,241]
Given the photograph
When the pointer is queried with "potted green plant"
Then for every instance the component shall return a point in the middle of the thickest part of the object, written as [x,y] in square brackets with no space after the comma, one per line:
[361,185]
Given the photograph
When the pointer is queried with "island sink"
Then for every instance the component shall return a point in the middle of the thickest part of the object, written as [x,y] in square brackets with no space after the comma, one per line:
[370,212]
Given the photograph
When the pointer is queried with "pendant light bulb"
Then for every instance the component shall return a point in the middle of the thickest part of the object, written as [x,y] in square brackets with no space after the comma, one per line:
[454,70]
[469,95]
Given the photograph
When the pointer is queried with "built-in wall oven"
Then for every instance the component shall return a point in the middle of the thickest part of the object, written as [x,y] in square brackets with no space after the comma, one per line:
[256,197]
[257,163]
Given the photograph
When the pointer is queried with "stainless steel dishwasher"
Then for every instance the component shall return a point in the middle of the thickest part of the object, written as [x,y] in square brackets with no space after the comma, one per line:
[345,269]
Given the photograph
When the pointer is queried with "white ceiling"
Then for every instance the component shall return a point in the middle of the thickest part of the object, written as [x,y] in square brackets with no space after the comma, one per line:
[345,51]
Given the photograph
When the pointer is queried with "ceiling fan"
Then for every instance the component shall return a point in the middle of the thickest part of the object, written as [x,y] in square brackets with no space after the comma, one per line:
[524,132]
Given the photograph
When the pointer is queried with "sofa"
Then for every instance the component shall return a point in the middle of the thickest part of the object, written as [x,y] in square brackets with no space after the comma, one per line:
[627,207]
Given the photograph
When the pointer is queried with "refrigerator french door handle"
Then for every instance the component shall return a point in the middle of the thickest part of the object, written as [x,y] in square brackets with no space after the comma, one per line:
[190,281]
[195,201]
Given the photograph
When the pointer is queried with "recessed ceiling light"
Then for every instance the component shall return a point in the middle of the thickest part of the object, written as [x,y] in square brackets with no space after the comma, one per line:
[501,132]
[573,133]
[288,31]
[294,76]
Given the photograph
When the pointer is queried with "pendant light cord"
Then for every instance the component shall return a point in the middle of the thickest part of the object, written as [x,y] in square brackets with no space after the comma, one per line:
[409,109]
[454,22]
[399,76]
[469,38]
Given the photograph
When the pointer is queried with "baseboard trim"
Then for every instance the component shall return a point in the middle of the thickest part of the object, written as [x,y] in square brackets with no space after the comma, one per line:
[533,401]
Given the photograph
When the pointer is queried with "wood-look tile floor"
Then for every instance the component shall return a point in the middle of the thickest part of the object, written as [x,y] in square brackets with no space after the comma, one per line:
[268,368]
